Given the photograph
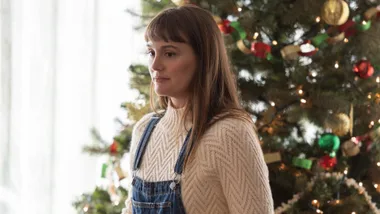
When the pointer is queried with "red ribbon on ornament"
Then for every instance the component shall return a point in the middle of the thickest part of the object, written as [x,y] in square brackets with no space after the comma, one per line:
[113,148]
[348,28]
[225,26]
[366,140]
[260,49]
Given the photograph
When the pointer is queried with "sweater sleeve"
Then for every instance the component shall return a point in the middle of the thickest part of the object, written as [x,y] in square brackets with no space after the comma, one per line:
[241,168]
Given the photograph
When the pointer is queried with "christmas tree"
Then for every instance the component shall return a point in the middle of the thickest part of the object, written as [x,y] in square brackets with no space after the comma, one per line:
[309,74]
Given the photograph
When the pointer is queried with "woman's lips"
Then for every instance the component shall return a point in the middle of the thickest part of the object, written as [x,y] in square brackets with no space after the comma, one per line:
[160,79]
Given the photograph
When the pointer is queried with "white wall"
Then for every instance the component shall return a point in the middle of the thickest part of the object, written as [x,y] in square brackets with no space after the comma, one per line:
[63,72]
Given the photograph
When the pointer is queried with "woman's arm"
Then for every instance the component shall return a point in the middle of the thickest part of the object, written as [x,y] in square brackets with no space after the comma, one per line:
[241,168]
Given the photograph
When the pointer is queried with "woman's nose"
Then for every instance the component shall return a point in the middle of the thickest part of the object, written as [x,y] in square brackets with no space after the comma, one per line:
[157,64]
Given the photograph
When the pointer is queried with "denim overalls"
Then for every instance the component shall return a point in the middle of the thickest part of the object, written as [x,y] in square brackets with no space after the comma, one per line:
[157,197]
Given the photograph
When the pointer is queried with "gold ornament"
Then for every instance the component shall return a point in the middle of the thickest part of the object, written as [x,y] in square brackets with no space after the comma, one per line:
[120,173]
[371,12]
[335,12]
[217,19]
[350,148]
[351,119]
[336,39]
[290,52]
[339,124]
[272,157]
[242,47]
[180,2]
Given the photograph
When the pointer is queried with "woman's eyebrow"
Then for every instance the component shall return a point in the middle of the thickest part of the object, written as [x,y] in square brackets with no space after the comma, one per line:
[164,46]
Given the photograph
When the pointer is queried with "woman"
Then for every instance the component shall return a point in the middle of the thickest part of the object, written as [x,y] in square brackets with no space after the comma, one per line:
[201,154]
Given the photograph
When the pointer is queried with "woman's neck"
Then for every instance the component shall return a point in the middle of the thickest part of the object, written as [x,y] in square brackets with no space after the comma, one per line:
[178,102]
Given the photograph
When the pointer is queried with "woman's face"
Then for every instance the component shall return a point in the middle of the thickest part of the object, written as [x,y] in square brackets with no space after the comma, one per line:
[172,66]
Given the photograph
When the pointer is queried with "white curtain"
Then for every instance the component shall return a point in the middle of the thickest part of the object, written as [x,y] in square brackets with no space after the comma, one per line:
[63,70]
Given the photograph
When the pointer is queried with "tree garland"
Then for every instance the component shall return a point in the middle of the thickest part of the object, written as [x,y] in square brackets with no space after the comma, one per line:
[338,176]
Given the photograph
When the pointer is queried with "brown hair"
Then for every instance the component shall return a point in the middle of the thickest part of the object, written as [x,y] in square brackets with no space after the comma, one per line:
[213,93]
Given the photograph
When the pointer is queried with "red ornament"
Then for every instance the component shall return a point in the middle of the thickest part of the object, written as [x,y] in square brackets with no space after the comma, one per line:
[225,27]
[260,49]
[366,141]
[327,162]
[113,148]
[364,69]
[348,28]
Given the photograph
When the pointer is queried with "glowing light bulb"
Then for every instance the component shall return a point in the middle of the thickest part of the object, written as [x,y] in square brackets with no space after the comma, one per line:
[318,19]
[85,208]
[345,171]
[314,202]
[378,79]
[378,164]
[369,96]
[274,42]
[372,123]
[300,91]
[272,103]
[319,211]
[255,35]
[375,185]
[336,65]
[345,40]
[364,22]
[303,101]
[239,9]
[360,184]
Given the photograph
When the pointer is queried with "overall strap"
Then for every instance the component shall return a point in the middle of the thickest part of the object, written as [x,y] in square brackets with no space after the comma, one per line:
[181,158]
[144,141]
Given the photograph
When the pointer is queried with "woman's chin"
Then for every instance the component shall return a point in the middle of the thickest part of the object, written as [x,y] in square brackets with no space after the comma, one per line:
[160,92]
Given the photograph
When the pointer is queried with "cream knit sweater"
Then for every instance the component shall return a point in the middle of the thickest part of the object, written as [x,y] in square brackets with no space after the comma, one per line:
[227,175]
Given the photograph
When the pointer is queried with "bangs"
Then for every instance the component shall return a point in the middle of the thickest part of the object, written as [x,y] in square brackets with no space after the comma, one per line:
[165,27]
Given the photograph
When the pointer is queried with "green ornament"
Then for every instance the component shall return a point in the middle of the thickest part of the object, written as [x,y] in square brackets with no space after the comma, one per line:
[319,39]
[329,143]
[302,162]
[364,25]
[239,32]
[269,57]
[104,170]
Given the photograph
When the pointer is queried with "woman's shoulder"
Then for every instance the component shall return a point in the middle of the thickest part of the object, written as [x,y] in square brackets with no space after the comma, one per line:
[226,123]
[231,129]
[141,124]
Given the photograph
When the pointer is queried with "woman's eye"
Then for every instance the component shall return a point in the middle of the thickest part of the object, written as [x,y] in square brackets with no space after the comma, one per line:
[150,53]
[170,54]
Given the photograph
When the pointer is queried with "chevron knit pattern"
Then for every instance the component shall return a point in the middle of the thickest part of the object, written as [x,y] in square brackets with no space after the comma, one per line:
[227,175]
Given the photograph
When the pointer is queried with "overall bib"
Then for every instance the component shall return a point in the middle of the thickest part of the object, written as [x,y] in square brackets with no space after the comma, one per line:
[157,197]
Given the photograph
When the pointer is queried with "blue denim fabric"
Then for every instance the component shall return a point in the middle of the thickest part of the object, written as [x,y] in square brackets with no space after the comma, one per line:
[157,197]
